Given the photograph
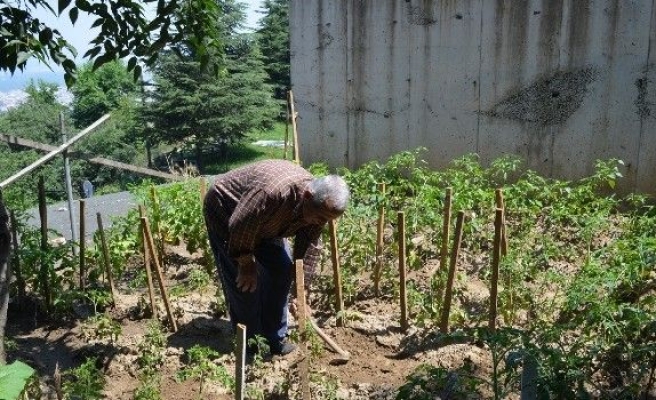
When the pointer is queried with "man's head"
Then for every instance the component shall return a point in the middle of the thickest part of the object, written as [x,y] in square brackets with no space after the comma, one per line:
[325,199]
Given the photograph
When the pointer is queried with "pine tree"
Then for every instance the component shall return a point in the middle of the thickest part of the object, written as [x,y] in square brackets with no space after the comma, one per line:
[201,108]
[273,39]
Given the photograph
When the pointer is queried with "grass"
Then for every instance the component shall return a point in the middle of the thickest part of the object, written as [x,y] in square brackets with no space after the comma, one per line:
[246,151]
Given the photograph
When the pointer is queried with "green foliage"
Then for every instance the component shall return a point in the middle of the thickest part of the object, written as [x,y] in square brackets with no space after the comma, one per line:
[428,382]
[210,111]
[14,378]
[85,382]
[273,39]
[97,92]
[202,365]
[124,31]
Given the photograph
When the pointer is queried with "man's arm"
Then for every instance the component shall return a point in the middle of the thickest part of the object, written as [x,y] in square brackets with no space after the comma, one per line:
[308,246]
[244,226]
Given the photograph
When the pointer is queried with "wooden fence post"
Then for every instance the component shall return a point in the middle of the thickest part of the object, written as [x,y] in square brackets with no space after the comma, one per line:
[44,279]
[297,157]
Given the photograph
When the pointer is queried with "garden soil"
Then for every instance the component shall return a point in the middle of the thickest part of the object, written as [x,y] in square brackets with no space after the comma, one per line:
[381,354]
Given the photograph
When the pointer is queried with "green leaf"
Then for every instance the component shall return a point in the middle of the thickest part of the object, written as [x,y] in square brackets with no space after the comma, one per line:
[13,378]
[63,4]
[72,14]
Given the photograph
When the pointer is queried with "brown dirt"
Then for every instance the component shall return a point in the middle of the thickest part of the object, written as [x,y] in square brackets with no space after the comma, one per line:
[373,338]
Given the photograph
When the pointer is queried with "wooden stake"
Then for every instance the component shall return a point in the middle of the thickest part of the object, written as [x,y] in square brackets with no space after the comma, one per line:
[494,287]
[44,273]
[147,263]
[379,241]
[498,194]
[402,271]
[20,282]
[297,158]
[108,264]
[444,251]
[240,367]
[455,251]
[337,275]
[203,189]
[284,153]
[301,319]
[158,270]
[83,245]
[158,230]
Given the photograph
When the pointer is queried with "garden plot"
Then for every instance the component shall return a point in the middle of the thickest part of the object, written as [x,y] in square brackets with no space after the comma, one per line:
[574,298]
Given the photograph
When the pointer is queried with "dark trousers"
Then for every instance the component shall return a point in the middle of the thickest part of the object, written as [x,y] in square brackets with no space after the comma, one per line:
[264,311]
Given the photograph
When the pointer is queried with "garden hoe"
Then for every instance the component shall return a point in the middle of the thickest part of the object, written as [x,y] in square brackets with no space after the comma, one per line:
[342,356]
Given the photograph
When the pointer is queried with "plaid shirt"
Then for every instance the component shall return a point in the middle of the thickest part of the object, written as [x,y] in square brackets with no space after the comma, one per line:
[263,201]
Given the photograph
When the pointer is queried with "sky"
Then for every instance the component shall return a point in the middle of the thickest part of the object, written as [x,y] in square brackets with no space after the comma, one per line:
[78,36]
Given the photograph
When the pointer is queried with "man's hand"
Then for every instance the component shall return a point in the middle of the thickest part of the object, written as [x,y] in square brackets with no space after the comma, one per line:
[247,277]
[293,309]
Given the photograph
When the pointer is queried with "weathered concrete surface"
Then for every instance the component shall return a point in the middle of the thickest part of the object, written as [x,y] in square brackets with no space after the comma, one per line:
[560,83]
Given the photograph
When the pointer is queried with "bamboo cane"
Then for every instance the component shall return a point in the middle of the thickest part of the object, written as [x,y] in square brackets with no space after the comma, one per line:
[402,271]
[286,144]
[379,241]
[337,275]
[108,264]
[455,251]
[158,270]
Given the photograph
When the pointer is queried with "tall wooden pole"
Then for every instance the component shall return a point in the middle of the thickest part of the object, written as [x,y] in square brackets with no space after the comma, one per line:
[337,274]
[44,280]
[83,245]
[402,271]
[69,184]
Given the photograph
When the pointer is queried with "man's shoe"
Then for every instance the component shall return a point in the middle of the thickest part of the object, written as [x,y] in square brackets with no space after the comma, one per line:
[283,349]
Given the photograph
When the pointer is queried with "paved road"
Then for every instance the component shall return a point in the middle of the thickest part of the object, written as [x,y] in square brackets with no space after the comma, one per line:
[110,205]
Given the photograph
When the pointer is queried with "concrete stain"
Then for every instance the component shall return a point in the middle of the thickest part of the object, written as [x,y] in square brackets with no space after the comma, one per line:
[548,101]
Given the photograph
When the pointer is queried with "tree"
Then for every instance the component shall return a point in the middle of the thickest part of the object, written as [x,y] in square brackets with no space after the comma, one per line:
[124,32]
[273,38]
[190,106]
[96,93]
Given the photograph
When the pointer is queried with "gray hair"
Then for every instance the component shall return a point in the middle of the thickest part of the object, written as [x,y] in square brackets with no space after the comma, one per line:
[331,191]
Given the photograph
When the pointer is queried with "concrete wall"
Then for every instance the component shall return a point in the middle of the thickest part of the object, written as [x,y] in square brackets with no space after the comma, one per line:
[560,83]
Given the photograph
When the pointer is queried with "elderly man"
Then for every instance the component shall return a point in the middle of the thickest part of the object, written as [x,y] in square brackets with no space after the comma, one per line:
[249,213]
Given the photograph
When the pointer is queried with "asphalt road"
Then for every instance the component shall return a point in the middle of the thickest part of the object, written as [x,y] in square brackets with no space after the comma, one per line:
[109,206]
